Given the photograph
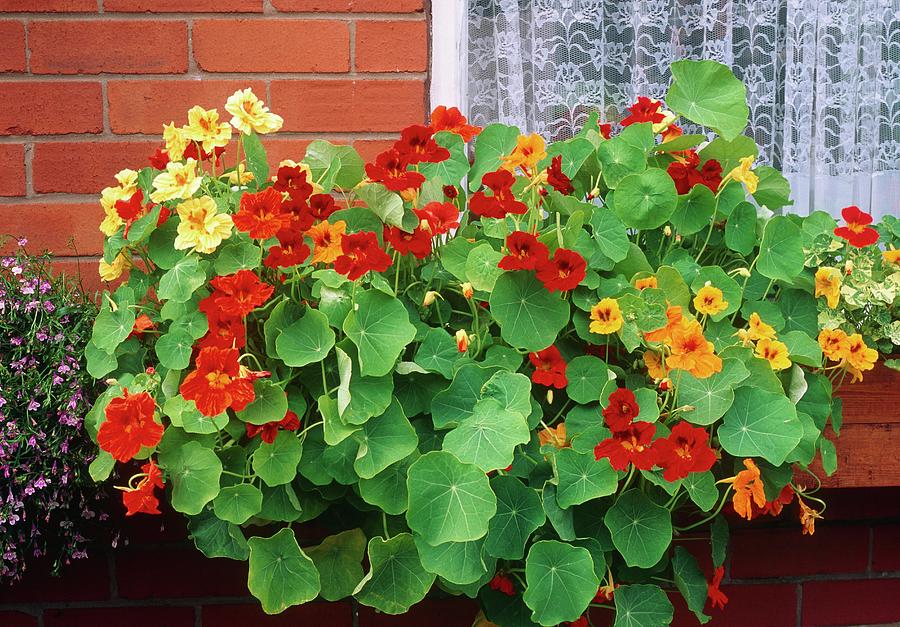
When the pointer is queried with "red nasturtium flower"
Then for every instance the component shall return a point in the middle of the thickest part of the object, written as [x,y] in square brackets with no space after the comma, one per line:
[605,129]
[557,178]
[549,368]
[717,598]
[503,201]
[686,173]
[444,119]
[224,332]
[525,252]
[141,323]
[261,215]
[321,206]
[417,243]
[857,232]
[216,383]
[503,584]
[129,426]
[132,209]
[159,159]
[622,409]
[190,152]
[390,170]
[564,272]
[290,251]
[686,450]
[581,622]
[361,253]
[774,507]
[644,110]
[438,218]
[417,145]
[632,445]
[269,431]
[240,293]
[141,499]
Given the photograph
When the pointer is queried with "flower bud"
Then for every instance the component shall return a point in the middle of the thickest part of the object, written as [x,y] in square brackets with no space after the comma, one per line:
[462,341]
[848,267]
[667,231]
[467,290]
[150,370]
[430,297]
[550,396]
[744,272]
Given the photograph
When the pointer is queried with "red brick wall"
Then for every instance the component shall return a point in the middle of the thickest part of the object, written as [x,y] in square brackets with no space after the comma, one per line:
[85,86]
[848,573]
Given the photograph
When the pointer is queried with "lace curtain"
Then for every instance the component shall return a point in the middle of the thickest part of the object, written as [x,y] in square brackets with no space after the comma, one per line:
[823,77]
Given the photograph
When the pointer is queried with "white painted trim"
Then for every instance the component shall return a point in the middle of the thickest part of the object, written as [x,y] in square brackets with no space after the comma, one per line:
[448,49]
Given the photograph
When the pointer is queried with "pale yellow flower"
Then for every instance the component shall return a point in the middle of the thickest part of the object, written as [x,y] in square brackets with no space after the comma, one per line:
[112,271]
[176,141]
[126,188]
[250,114]
[744,174]
[202,227]
[204,128]
[245,175]
[180,180]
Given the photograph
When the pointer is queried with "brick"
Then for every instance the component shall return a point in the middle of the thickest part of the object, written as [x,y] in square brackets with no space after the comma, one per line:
[347,105]
[350,6]
[278,149]
[17,619]
[862,503]
[143,106]
[861,602]
[85,167]
[12,46]
[82,580]
[886,548]
[178,573]
[12,164]
[131,616]
[453,611]
[48,6]
[170,526]
[85,272]
[66,229]
[317,613]
[183,6]
[116,46]
[748,606]
[368,149]
[392,46]
[50,108]
[283,45]
[786,553]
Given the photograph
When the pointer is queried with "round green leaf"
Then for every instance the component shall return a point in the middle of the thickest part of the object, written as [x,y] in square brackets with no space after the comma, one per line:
[281,574]
[380,328]
[449,501]
[642,606]
[646,200]
[529,316]
[397,579]
[488,437]
[460,563]
[708,93]
[438,353]
[760,424]
[701,487]
[560,582]
[180,283]
[306,341]
[383,440]
[694,210]
[339,562]
[276,463]
[495,141]
[610,234]
[174,349]
[237,503]
[270,404]
[481,267]
[387,489]
[690,582]
[195,472]
[641,530]
[587,376]
[582,478]
[710,397]
[519,514]
[781,250]
[620,159]
[111,328]
[740,229]
[453,405]
[511,389]
[238,253]
[216,538]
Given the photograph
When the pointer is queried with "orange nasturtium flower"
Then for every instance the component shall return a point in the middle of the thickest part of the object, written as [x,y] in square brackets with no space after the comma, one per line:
[808,517]
[709,300]
[834,343]
[327,239]
[606,317]
[645,283]
[129,426]
[529,150]
[892,256]
[858,357]
[774,352]
[662,334]
[554,435]
[691,351]
[656,365]
[828,284]
[250,114]
[748,489]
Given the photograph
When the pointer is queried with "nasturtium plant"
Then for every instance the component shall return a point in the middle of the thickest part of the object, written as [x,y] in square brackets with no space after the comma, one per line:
[516,381]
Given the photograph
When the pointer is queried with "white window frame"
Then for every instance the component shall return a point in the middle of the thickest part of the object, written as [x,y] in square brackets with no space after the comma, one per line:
[448,50]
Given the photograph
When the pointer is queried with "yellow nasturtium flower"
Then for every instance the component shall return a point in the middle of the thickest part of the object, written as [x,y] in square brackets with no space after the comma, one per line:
[858,356]
[892,256]
[176,141]
[202,227]
[606,317]
[250,114]
[744,174]
[204,128]
[758,330]
[828,284]
[710,300]
[775,352]
[126,188]
[112,271]
[180,180]
[833,343]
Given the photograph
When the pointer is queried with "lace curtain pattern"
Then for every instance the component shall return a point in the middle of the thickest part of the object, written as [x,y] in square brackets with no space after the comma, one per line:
[823,77]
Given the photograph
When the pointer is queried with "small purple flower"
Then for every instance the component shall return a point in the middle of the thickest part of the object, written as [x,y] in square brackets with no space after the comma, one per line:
[22,241]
